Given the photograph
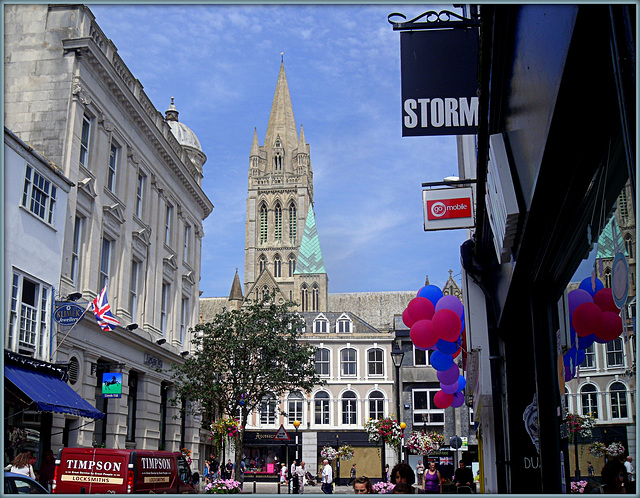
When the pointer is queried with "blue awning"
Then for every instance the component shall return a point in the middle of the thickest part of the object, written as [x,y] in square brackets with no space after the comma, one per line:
[49,393]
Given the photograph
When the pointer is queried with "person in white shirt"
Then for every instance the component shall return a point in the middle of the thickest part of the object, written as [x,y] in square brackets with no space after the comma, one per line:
[631,475]
[292,473]
[327,478]
[300,475]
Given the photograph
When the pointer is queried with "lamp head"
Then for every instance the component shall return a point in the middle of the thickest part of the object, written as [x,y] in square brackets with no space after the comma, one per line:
[132,326]
[403,426]
[184,354]
[161,341]
[74,296]
[296,424]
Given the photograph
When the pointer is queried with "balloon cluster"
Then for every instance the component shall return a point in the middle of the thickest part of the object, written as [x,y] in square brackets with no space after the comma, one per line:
[436,322]
[594,317]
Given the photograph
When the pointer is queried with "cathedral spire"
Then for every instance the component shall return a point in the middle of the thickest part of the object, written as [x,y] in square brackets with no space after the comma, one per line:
[255,147]
[236,289]
[281,120]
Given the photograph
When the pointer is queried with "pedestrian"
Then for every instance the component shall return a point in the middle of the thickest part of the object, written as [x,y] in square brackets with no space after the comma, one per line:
[590,469]
[292,472]
[47,470]
[432,480]
[463,476]
[21,465]
[283,473]
[362,485]
[385,474]
[631,475]
[352,474]
[300,476]
[327,478]
[614,477]
[420,472]
[403,472]
[243,467]
[215,467]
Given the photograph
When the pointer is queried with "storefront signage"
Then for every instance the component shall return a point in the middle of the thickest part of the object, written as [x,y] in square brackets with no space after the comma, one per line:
[67,313]
[112,385]
[439,82]
[448,208]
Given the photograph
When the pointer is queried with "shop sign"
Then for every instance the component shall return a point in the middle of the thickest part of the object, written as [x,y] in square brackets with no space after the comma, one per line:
[439,70]
[67,314]
[448,208]
[112,385]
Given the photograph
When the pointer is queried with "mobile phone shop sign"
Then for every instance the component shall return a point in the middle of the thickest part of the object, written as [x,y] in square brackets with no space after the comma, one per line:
[439,82]
[447,209]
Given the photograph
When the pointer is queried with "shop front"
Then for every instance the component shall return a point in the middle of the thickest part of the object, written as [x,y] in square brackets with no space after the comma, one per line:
[263,454]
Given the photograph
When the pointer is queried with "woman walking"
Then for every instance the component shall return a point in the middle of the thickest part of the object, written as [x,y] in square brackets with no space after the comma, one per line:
[432,479]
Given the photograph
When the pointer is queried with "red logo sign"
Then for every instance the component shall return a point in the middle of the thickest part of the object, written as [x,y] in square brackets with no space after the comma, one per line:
[443,209]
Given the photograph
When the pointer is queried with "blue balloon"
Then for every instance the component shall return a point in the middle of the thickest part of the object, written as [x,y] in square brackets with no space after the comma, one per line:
[570,364]
[574,336]
[582,354]
[586,284]
[585,342]
[440,361]
[431,292]
[462,382]
[446,347]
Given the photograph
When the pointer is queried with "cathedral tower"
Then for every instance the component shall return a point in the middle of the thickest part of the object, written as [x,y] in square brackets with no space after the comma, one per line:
[280,218]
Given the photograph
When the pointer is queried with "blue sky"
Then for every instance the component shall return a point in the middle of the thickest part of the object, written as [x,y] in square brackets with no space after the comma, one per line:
[221,64]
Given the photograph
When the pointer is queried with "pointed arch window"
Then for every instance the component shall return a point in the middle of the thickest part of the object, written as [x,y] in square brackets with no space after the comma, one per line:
[277,161]
[262,262]
[315,297]
[304,297]
[278,222]
[277,266]
[321,408]
[628,244]
[263,224]
[293,222]
[618,393]
[607,278]
[622,205]
[292,265]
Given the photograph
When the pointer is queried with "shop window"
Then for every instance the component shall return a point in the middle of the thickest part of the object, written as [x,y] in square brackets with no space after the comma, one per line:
[132,404]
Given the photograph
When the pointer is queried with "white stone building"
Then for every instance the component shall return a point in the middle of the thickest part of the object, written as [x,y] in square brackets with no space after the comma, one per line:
[133,223]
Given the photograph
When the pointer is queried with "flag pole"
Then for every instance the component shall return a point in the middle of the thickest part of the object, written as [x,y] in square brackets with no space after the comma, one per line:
[69,331]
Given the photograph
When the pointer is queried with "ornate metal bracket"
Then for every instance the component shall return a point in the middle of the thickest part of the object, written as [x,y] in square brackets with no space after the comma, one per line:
[432,20]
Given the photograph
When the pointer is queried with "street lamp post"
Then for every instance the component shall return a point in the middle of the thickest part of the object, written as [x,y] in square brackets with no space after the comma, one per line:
[294,477]
[337,460]
[397,354]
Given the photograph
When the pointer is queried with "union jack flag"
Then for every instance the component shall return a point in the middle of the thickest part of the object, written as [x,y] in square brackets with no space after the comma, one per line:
[102,310]
[446,461]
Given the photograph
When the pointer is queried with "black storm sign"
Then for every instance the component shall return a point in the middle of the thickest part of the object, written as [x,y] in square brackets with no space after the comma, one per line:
[439,82]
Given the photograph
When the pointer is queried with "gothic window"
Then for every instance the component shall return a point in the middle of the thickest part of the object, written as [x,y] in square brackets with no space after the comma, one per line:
[607,278]
[618,393]
[322,361]
[277,161]
[376,405]
[589,399]
[321,408]
[263,224]
[262,262]
[628,244]
[292,264]
[278,224]
[293,222]
[265,292]
[277,266]
[304,297]
[349,400]
[622,204]
[315,297]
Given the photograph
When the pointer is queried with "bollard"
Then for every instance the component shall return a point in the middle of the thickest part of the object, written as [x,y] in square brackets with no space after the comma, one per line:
[254,483]
[278,487]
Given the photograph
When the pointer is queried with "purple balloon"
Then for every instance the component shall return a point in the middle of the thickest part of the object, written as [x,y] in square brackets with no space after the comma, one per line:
[449,376]
[450,303]
[449,388]
[458,400]
[577,297]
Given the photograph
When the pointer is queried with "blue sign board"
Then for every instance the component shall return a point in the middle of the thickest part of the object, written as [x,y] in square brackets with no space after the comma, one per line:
[67,313]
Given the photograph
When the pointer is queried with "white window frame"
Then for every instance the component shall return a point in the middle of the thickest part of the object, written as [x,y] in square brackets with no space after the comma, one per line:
[432,412]
[617,353]
[586,409]
[320,325]
[187,235]
[378,401]
[349,408]
[419,352]
[375,362]
[295,402]
[105,261]
[184,316]
[344,325]
[140,191]
[322,399]
[76,249]
[85,140]
[622,400]
[168,223]
[268,409]
[112,167]
[39,194]
[322,362]
[164,307]
[590,354]
[348,362]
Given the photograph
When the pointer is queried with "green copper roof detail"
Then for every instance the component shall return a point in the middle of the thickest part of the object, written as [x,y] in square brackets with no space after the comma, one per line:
[607,244]
[310,255]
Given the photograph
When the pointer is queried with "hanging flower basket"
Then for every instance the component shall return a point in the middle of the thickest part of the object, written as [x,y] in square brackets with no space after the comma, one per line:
[186,452]
[579,425]
[385,429]
[424,443]
[223,486]
[329,453]
[598,449]
[17,438]
[346,452]
[615,449]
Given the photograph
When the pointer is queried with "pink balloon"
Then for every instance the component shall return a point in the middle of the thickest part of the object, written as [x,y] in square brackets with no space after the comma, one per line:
[587,319]
[576,297]
[450,303]
[458,400]
[423,334]
[449,376]
[611,326]
[449,388]
[443,400]
[604,299]
[420,308]
[448,324]
[406,319]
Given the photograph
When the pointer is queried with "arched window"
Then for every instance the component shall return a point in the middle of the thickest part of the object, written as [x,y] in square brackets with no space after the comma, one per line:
[263,224]
[628,244]
[375,361]
[349,400]
[277,161]
[376,405]
[321,408]
[294,410]
[607,278]
[292,264]
[262,261]
[315,298]
[277,266]
[589,400]
[322,361]
[293,223]
[348,362]
[268,410]
[618,394]
[304,297]
[278,222]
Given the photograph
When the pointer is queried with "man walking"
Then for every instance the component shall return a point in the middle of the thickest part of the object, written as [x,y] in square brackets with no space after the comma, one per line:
[352,474]
[327,478]
[300,475]
[631,476]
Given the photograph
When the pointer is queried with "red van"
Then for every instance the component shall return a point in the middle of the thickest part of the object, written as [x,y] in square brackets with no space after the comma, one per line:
[101,470]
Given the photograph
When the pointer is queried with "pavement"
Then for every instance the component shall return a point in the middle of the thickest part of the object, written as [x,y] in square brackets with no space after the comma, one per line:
[271,488]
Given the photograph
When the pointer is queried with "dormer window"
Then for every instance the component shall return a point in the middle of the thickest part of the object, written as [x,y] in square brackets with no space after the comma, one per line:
[344,325]
[321,325]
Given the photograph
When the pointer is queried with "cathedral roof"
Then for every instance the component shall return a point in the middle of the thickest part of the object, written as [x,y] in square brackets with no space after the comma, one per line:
[610,241]
[310,260]
[281,120]
[236,289]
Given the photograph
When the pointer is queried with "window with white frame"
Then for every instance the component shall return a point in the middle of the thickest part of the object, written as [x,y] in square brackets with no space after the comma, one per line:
[168,221]
[376,405]
[344,325]
[349,406]
[320,325]
[348,365]
[187,236]
[184,317]
[76,249]
[589,400]
[268,410]
[84,141]
[375,361]
[618,398]
[164,308]
[615,355]
[133,289]
[105,262]
[321,408]
[589,357]
[420,357]
[140,191]
[322,361]
[39,195]
[294,408]
[112,170]
[29,315]
[425,410]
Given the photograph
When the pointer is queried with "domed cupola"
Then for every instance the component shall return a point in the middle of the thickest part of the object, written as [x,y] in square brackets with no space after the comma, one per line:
[186,138]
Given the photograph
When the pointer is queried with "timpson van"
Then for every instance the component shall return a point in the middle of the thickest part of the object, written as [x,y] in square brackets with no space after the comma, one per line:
[101,470]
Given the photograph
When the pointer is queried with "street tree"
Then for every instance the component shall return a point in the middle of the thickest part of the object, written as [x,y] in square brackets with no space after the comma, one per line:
[244,358]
